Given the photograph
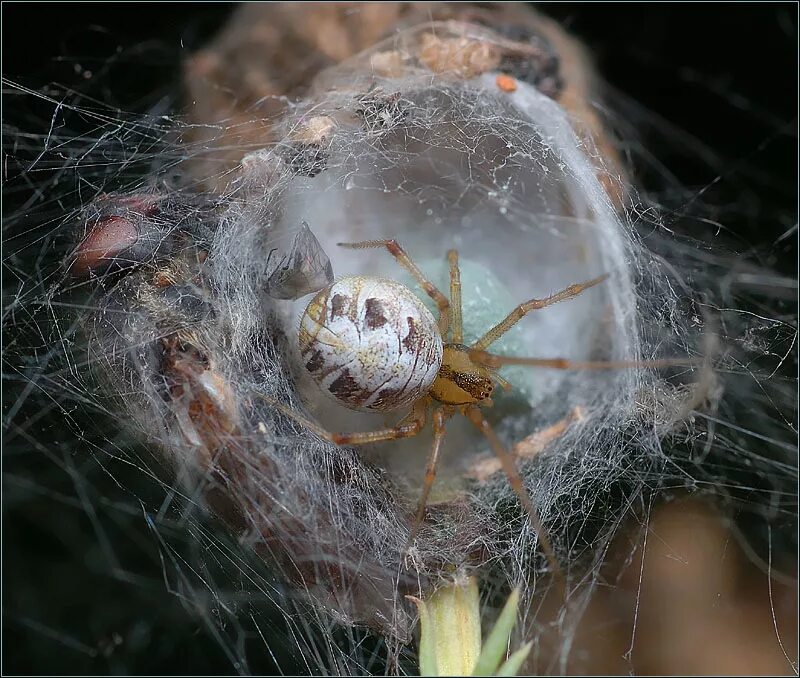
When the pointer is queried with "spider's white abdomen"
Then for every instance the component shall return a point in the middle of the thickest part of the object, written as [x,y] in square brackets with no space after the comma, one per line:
[370,343]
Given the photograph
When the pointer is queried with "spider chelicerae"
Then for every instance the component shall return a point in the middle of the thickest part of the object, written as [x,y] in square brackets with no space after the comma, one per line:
[373,345]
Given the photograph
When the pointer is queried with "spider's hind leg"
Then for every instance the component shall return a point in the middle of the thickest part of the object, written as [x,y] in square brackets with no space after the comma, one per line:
[440,415]
[410,425]
[405,261]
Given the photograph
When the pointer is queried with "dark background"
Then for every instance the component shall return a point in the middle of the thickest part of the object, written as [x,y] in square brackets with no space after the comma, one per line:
[709,89]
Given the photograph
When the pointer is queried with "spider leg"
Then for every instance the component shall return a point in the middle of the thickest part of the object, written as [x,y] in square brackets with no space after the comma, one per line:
[503,382]
[456,324]
[494,361]
[404,260]
[440,415]
[534,444]
[474,414]
[407,428]
[532,305]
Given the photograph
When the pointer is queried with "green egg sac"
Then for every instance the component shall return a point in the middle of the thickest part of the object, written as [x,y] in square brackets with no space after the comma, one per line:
[485,301]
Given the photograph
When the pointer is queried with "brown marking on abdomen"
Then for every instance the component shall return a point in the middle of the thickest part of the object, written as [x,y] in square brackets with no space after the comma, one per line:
[345,388]
[375,315]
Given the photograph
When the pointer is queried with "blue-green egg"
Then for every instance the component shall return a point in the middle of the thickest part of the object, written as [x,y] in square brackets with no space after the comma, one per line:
[485,301]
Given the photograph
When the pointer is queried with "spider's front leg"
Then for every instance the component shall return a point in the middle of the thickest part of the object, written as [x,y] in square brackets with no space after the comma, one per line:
[474,414]
[495,361]
[533,305]
[537,442]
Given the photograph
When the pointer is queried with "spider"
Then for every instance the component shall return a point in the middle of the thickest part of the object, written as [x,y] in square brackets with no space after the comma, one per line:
[373,345]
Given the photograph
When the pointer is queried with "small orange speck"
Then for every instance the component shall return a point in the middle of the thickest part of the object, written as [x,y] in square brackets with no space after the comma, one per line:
[506,83]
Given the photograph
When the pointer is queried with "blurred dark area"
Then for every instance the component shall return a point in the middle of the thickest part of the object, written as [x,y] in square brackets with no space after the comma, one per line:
[709,90]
